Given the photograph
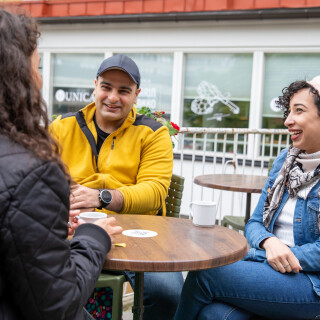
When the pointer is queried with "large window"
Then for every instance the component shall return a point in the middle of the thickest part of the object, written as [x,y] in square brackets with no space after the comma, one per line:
[73,81]
[280,70]
[217,90]
[156,80]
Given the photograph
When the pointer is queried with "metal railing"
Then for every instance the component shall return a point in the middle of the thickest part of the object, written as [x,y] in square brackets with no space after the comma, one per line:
[202,151]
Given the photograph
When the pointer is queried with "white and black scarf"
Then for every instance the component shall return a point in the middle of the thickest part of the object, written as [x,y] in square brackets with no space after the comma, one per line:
[292,176]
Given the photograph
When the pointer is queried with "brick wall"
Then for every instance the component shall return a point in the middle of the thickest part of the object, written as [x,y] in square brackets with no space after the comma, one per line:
[62,8]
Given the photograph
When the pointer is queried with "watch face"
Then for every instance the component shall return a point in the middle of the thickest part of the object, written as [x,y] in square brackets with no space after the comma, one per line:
[106,196]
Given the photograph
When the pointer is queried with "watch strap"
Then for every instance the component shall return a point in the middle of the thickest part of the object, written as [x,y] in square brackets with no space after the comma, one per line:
[100,208]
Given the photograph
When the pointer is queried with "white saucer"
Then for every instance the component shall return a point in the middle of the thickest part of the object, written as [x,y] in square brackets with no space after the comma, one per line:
[139,233]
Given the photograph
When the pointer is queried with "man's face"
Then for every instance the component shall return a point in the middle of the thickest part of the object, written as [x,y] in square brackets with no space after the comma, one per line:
[115,94]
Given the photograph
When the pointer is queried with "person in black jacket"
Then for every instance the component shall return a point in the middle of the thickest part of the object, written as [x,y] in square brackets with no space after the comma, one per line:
[43,275]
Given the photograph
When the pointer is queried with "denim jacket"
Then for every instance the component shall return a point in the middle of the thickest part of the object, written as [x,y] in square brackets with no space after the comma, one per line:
[305,229]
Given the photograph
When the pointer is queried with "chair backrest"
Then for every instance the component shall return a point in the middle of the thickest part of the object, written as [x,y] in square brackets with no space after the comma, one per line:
[173,200]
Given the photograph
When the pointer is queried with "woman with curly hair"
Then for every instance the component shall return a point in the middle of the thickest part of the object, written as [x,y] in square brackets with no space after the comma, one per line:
[280,276]
[43,275]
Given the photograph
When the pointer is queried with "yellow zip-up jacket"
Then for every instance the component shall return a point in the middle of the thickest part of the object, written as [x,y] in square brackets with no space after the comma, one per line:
[136,159]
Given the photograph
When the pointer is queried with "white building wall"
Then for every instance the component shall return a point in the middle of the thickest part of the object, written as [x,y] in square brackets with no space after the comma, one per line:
[257,37]
[178,38]
[195,36]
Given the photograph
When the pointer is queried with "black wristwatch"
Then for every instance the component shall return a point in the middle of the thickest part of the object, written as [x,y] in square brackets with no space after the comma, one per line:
[105,198]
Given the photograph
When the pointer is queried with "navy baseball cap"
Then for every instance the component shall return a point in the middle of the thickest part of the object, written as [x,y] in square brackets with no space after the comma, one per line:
[121,62]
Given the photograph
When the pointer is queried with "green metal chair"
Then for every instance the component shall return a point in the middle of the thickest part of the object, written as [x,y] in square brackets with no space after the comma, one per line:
[107,279]
[237,222]
[174,197]
[115,282]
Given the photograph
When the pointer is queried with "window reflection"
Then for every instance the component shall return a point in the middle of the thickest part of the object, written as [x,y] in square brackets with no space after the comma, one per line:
[217,90]
[280,70]
[73,81]
[156,80]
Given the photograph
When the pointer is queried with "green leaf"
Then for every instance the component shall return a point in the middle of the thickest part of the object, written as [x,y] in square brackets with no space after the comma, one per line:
[145,111]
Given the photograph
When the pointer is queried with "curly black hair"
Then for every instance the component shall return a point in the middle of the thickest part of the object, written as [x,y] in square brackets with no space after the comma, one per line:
[283,101]
[23,113]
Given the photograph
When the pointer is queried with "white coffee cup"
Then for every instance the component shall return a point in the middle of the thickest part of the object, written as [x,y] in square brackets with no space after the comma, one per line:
[92,216]
[203,213]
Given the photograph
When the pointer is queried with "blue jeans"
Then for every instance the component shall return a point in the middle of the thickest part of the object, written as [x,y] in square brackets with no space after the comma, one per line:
[246,288]
[162,292]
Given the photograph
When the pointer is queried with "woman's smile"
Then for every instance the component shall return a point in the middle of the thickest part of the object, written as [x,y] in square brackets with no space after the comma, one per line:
[295,134]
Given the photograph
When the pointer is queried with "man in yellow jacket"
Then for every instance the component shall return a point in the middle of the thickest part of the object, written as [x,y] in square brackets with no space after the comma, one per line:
[121,162]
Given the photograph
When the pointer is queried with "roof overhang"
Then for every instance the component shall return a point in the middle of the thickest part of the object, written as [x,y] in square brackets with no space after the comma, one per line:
[263,14]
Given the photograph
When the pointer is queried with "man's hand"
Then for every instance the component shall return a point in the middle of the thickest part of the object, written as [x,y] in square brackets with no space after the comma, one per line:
[109,225]
[82,197]
[87,199]
[280,257]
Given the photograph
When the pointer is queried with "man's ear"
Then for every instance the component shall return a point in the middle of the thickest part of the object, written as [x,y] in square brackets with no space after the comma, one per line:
[95,86]
[137,93]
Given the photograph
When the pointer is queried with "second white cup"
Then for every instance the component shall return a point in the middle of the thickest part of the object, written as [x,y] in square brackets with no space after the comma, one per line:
[203,213]
[92,216]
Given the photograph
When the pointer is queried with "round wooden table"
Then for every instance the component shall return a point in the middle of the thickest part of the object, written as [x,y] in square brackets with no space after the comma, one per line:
[234,182]
[179,246]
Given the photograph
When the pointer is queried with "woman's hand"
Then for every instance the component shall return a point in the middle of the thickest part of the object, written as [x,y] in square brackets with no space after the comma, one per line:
[74,221]
[280,257]
[109,225]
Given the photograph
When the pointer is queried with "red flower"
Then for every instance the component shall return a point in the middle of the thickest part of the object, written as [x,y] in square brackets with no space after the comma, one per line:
[159,113]
[175,126]
[158,116]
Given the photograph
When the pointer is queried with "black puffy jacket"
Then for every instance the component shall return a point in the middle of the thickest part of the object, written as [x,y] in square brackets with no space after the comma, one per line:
[42,274]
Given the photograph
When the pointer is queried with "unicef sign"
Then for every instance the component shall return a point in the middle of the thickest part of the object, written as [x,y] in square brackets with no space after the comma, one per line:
[60,95]
[71,99]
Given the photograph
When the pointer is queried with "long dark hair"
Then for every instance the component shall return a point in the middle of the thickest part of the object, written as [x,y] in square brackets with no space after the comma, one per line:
[283,101]
[23,113]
